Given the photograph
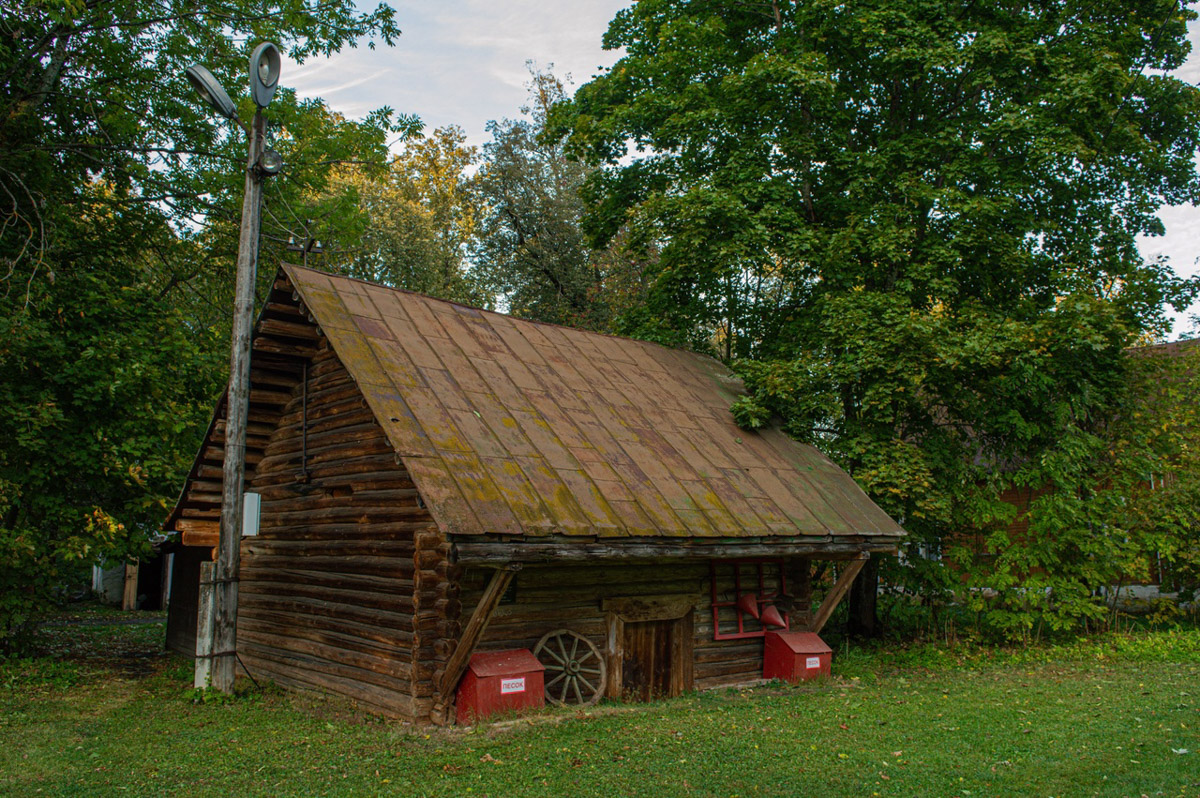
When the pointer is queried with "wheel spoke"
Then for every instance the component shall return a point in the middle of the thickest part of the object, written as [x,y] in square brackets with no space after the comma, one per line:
[556,679]
[590,670]
[560,660]
[562,649]
[574,647]
[578,695]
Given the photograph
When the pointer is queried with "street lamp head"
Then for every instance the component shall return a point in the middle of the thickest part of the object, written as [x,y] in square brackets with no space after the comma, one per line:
[210,91]
[269,163]
[264,73]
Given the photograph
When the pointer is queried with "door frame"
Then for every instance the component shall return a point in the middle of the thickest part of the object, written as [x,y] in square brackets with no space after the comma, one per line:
[638,609]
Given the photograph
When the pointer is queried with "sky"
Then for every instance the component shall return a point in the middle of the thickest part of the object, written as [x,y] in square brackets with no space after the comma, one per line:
[463,63]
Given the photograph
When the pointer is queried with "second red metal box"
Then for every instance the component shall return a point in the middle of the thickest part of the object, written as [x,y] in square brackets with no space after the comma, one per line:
[795,656]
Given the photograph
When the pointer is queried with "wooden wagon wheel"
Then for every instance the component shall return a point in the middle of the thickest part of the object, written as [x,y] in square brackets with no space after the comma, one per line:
[575,670]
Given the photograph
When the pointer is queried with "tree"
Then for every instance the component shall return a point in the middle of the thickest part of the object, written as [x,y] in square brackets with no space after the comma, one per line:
[82,96]
[418,217]
[914,224]
[530,250]
[119,198]
[105,386]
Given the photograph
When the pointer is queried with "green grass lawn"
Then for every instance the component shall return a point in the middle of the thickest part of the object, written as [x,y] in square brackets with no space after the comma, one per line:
[105,713]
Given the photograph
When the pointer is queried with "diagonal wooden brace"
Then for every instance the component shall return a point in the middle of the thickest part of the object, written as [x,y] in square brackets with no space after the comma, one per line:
[456,666]
[838,592]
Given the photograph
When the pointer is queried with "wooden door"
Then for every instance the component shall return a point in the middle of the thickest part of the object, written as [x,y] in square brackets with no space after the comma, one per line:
[655,659]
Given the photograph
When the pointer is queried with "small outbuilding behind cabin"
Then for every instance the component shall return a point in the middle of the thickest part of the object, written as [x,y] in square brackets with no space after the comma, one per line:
[438,480]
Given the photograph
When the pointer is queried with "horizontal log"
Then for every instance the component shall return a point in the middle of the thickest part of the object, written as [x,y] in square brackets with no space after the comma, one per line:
[401,638]
[394,647]
[349,437]
[348,412]
[728,682]
[216,454]
[533,630]
[289,329]
[342,470]
[208,472]
[388,567]
[258,428]
[325,452]
[387,664]
[363,599]
[705,653]
[349,680]
[199,513]
[392,524]
[201,539]
[204,486]
[274,346]
[298,604]
[264,396]
[717,672]
[185,525]
[253,442]
[277,308]
[315,492]
[820,549]
[353,512]
[341,548]
[349,580]
[264,415]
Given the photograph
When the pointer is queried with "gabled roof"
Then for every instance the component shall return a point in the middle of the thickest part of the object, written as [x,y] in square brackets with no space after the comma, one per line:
[525,430]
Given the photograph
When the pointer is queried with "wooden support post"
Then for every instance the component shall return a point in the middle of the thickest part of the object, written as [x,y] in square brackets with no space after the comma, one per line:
[204,627]
[168,571]
[223,651]
[129,596]
[456,666]
[838,592]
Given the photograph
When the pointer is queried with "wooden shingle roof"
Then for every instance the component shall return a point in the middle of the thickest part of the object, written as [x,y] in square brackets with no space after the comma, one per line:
[526,430]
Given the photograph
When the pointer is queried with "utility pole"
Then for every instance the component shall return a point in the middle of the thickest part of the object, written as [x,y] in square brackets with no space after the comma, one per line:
[216,638]
[233,472]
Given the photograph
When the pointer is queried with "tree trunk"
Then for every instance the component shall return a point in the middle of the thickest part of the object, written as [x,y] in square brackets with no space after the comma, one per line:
[863,621]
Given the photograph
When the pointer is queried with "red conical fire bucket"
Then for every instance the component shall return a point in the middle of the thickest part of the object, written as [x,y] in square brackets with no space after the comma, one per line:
[748,604]
[771,617]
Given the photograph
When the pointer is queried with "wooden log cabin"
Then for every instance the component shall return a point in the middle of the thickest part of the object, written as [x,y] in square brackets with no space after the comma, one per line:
[438,480]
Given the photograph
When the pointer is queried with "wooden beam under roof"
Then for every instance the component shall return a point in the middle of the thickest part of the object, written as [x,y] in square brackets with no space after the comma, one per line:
[575,550]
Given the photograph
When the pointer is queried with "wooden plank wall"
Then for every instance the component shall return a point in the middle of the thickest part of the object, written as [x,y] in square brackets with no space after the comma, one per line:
[569,596]
[332,594]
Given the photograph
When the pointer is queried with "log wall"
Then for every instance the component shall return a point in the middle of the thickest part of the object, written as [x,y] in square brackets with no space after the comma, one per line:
[335,590]
[570,597]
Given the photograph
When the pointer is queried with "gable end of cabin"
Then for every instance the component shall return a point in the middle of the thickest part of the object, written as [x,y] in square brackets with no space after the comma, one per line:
[347,587]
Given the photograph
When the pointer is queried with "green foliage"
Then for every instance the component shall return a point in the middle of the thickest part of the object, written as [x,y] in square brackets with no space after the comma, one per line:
[105,391]
[98,90]
[529,249]
[418,216]
[120,196]
[911,226]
